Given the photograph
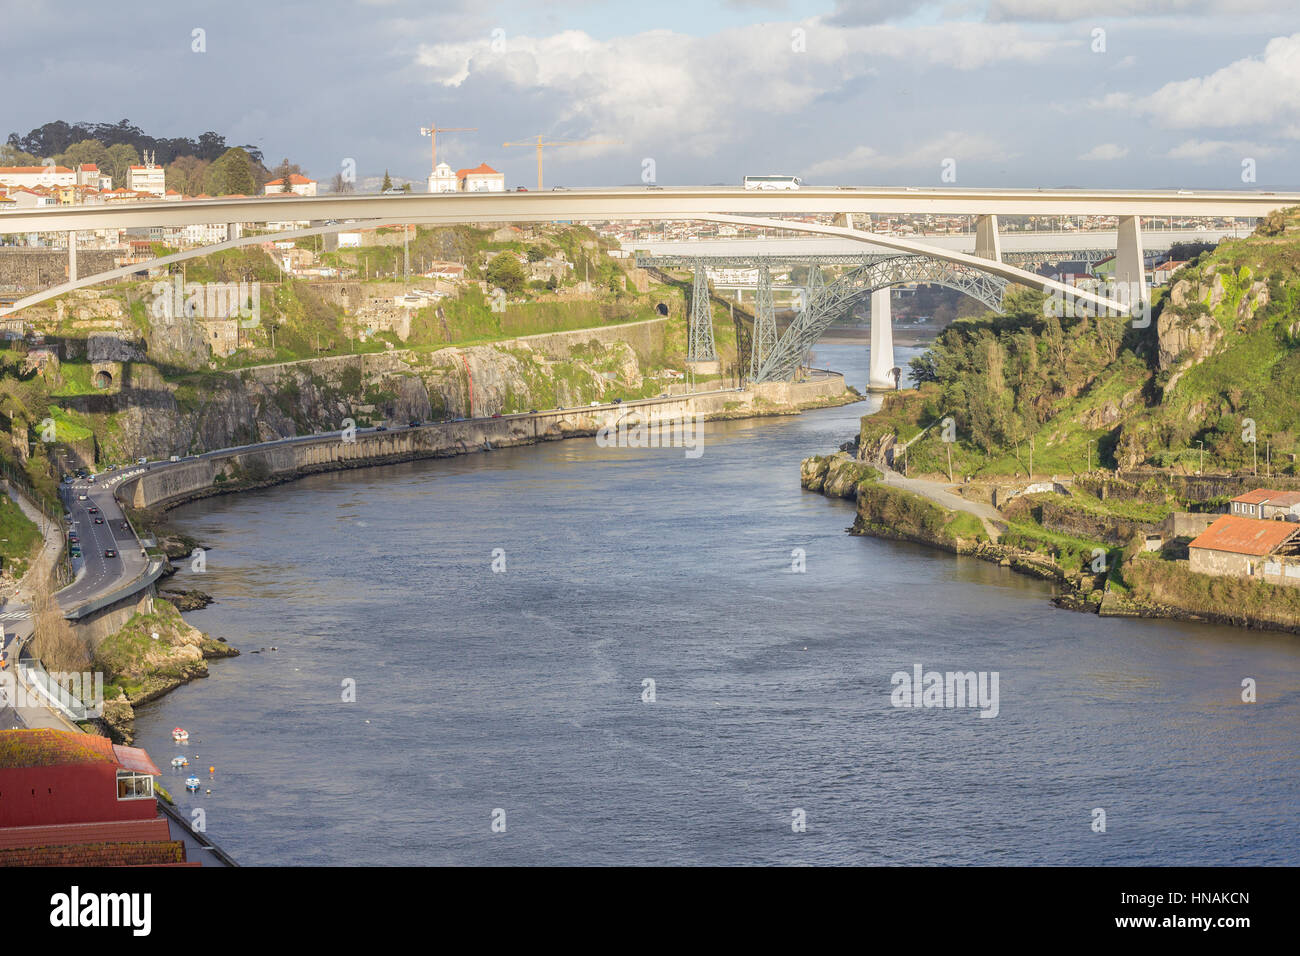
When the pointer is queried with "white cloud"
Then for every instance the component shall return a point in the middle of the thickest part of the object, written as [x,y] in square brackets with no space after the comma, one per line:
[1067,11]
[662,86]
[930,155]
[1104,152]
[1257,91]
[1205,150]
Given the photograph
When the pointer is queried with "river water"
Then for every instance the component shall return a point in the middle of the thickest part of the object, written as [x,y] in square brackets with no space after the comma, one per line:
[522,690]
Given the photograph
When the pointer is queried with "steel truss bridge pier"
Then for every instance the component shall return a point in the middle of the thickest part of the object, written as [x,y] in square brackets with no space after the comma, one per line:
[776,358]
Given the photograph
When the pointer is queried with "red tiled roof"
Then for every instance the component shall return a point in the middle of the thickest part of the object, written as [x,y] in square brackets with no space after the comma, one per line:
[1258,496]
[53,748]
[34,169]
[294,179]
[482,169]
[97,854]
[1240,535]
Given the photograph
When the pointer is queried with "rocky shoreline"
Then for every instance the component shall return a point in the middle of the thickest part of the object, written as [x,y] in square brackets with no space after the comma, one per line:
[895,514]
[152,655]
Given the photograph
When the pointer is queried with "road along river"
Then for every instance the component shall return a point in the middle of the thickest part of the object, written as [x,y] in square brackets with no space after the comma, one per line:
[525,690]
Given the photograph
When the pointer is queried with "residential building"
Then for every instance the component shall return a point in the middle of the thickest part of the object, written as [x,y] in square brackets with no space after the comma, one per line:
[297,184]
[36,176]
[148,179]
[88,174]
[481,179]
[1266,504]
[1241,547]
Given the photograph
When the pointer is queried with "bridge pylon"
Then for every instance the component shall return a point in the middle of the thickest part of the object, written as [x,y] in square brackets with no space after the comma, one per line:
[700,350]
[880,374]
[764,338]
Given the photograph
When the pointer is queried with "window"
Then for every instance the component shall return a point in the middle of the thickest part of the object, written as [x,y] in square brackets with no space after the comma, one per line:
[134,786]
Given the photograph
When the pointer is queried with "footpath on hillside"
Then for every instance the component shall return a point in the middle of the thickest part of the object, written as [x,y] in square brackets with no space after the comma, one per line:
[939,493]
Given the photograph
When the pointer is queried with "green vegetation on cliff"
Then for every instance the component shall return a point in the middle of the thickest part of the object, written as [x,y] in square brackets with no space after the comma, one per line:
[1218,363]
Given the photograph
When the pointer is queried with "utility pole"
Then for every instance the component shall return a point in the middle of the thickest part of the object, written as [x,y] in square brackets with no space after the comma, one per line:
[1200,468]
[948,446]
[1031,459]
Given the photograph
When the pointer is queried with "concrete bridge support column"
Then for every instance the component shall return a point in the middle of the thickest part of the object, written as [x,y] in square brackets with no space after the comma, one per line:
[72,256]
[1130,264]
[987,243]
[880,377]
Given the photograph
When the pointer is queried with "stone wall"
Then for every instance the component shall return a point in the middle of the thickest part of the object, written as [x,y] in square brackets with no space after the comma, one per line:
[168,484]
[35,269]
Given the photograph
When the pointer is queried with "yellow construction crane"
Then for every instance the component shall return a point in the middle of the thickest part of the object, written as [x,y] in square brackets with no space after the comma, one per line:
[561,142]
[432,132]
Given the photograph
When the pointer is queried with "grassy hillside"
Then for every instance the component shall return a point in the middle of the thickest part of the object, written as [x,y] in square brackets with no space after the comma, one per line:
[1218,364]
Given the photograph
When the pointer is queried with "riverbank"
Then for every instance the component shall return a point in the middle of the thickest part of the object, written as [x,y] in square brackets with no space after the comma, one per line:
[147,496]
[1107,572]
[148,658]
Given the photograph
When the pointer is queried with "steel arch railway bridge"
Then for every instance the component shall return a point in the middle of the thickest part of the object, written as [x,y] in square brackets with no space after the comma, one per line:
[777,358]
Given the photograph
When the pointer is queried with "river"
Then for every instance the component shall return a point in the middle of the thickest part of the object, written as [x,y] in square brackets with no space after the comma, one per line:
[522,690]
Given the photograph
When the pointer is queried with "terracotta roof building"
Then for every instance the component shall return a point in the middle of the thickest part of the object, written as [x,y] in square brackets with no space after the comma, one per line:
[1248,547]
[1266,503]
[71,799]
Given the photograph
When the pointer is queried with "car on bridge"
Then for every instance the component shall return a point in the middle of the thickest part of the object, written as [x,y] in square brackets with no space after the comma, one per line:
[92,510]
[110,553]
[98,520]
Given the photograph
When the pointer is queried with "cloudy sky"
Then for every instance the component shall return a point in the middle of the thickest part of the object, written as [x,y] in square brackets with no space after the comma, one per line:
[1107,93]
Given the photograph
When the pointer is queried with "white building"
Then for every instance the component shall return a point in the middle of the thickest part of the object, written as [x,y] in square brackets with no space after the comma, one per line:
[481,179]
[88,174]
[147,179]
[37,176]
[442,179]
[297,184]
[204,234]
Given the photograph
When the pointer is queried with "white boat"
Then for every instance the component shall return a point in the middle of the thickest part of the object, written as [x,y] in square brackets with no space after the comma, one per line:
[192,784]
[180,734]
[180,762]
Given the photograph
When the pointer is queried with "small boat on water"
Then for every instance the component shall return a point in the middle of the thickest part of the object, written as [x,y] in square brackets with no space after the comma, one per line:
[192,784]
[180,762]
[180,734]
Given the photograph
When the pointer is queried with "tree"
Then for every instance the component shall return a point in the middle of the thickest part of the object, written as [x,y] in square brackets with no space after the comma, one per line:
[188,175]
[536,253]
[11,155]
[118,158]
[85,151]
[340,184]
[233,173]
[283,171]
[506,272]
[388,183]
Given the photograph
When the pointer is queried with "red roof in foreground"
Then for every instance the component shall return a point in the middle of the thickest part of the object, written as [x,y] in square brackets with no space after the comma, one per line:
[56,748]
[1245,535]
